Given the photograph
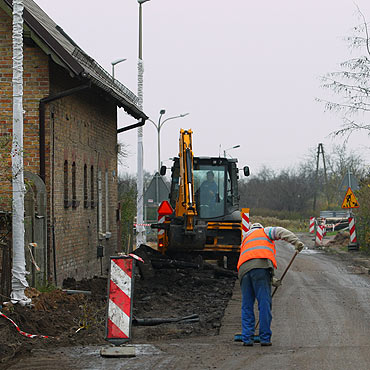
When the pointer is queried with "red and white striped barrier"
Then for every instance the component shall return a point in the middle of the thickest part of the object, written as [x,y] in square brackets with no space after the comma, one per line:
[352,230]
[312,225]
[245,222]
[119,316]
[23,332]
[161,219]
[319,234]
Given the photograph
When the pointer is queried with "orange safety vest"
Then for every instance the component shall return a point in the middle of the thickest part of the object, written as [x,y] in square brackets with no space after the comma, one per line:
[257,245]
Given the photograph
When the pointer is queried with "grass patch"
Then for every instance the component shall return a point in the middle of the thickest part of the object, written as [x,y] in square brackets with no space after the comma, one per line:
[292,225]
[46,288]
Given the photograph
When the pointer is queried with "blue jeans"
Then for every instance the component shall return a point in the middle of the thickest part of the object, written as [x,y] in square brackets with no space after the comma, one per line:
[256,283]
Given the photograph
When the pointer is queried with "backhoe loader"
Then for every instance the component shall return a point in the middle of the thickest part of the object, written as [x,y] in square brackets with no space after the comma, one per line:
[206,218]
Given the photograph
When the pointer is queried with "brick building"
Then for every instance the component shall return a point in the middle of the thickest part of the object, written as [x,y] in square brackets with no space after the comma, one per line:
[70,146]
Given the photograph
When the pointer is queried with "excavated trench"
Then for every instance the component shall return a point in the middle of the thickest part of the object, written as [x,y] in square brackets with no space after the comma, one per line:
[168,291]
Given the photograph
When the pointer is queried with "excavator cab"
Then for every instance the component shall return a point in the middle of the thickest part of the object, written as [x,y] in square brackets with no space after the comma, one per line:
[215,186]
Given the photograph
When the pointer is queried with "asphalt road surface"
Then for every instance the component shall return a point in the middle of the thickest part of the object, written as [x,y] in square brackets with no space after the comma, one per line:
[321,320]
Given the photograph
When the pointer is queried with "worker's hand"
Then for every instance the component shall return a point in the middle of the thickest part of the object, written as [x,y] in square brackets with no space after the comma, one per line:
[276,282]
[299,246]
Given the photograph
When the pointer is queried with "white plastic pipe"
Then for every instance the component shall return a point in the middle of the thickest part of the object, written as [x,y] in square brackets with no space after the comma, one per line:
[19,282]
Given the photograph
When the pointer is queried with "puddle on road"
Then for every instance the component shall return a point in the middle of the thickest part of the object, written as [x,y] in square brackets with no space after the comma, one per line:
[141,350]
[85,357]
[310,251]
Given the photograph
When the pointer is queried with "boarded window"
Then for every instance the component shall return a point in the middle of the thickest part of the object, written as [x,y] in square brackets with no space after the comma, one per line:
[92,187]
[106,202]
[74,196]
[100,203]
[86,197]
[66,203]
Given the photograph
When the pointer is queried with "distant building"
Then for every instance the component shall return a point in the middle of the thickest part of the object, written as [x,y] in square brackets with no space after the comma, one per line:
[70,147]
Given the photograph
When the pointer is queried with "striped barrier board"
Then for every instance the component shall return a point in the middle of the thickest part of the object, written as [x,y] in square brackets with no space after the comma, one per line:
[353,245]
[352,230]
[319,234]
[245,221]
[312,225]
[120,290]
[161,219]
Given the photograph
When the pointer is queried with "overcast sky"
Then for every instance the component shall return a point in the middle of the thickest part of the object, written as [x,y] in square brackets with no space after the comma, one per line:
[246,71]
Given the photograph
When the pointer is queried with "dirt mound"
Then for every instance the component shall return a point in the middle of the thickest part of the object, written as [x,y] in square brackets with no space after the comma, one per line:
[341,239]
[54,314]
[79,319]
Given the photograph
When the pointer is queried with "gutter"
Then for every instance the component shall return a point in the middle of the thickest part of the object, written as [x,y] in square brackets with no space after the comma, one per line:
[135,125]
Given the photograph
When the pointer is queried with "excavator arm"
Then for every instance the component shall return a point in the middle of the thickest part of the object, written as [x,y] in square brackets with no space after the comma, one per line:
[185,204]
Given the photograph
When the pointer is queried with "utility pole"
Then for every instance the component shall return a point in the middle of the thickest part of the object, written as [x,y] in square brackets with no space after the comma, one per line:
[19,282]
[320,150]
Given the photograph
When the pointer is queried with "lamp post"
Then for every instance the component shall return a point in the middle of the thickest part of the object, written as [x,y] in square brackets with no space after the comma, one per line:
[233,147]
[140,150]
[159,127]
[114,63]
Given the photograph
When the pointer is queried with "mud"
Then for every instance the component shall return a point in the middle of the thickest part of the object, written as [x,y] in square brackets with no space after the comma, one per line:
[79,320]
[320,321]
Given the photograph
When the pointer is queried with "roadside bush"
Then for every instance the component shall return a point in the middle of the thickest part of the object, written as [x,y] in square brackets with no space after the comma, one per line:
[363,214]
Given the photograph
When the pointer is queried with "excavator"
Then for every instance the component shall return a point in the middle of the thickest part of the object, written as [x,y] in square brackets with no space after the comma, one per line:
[206,218]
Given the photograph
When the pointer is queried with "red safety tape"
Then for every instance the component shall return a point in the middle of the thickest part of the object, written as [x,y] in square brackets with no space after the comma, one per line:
[136,257]
[23,332]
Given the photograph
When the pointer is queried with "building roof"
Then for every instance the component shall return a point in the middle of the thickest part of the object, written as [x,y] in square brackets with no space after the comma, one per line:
[64,51]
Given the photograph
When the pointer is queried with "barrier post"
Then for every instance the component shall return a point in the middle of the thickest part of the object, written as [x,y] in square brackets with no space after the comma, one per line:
[353,244]
[312,225]
[120,292]
[245,222]
[319,235]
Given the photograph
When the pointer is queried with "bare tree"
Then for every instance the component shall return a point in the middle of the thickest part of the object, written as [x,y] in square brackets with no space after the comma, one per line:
[352,83]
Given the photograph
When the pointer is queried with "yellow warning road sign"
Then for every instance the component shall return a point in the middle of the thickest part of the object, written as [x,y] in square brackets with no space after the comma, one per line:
[350,200]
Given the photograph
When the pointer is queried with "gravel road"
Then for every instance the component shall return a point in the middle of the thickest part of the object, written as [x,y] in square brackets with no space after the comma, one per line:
[321,320]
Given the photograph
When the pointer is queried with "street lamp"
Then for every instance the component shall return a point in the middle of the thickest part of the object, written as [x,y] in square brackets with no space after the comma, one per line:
[233,147]
[114,63]
[140,150]
[159,126]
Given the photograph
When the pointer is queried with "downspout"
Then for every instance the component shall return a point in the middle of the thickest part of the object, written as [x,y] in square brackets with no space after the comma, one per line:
[42,104]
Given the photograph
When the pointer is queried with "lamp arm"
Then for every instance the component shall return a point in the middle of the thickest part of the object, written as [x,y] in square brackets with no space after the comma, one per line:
[153,123]
[167,119]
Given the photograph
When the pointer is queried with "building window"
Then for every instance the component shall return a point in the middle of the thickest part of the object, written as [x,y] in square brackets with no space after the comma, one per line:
[100,205]
[106,204]
[92,187]
[66,202]
[75,203]
[86,202]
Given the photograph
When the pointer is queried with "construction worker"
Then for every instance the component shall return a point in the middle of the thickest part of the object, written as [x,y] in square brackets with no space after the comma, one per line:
[208,190]
[255,270]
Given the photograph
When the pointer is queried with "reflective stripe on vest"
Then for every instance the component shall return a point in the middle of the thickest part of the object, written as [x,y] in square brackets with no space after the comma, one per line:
[257,245]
